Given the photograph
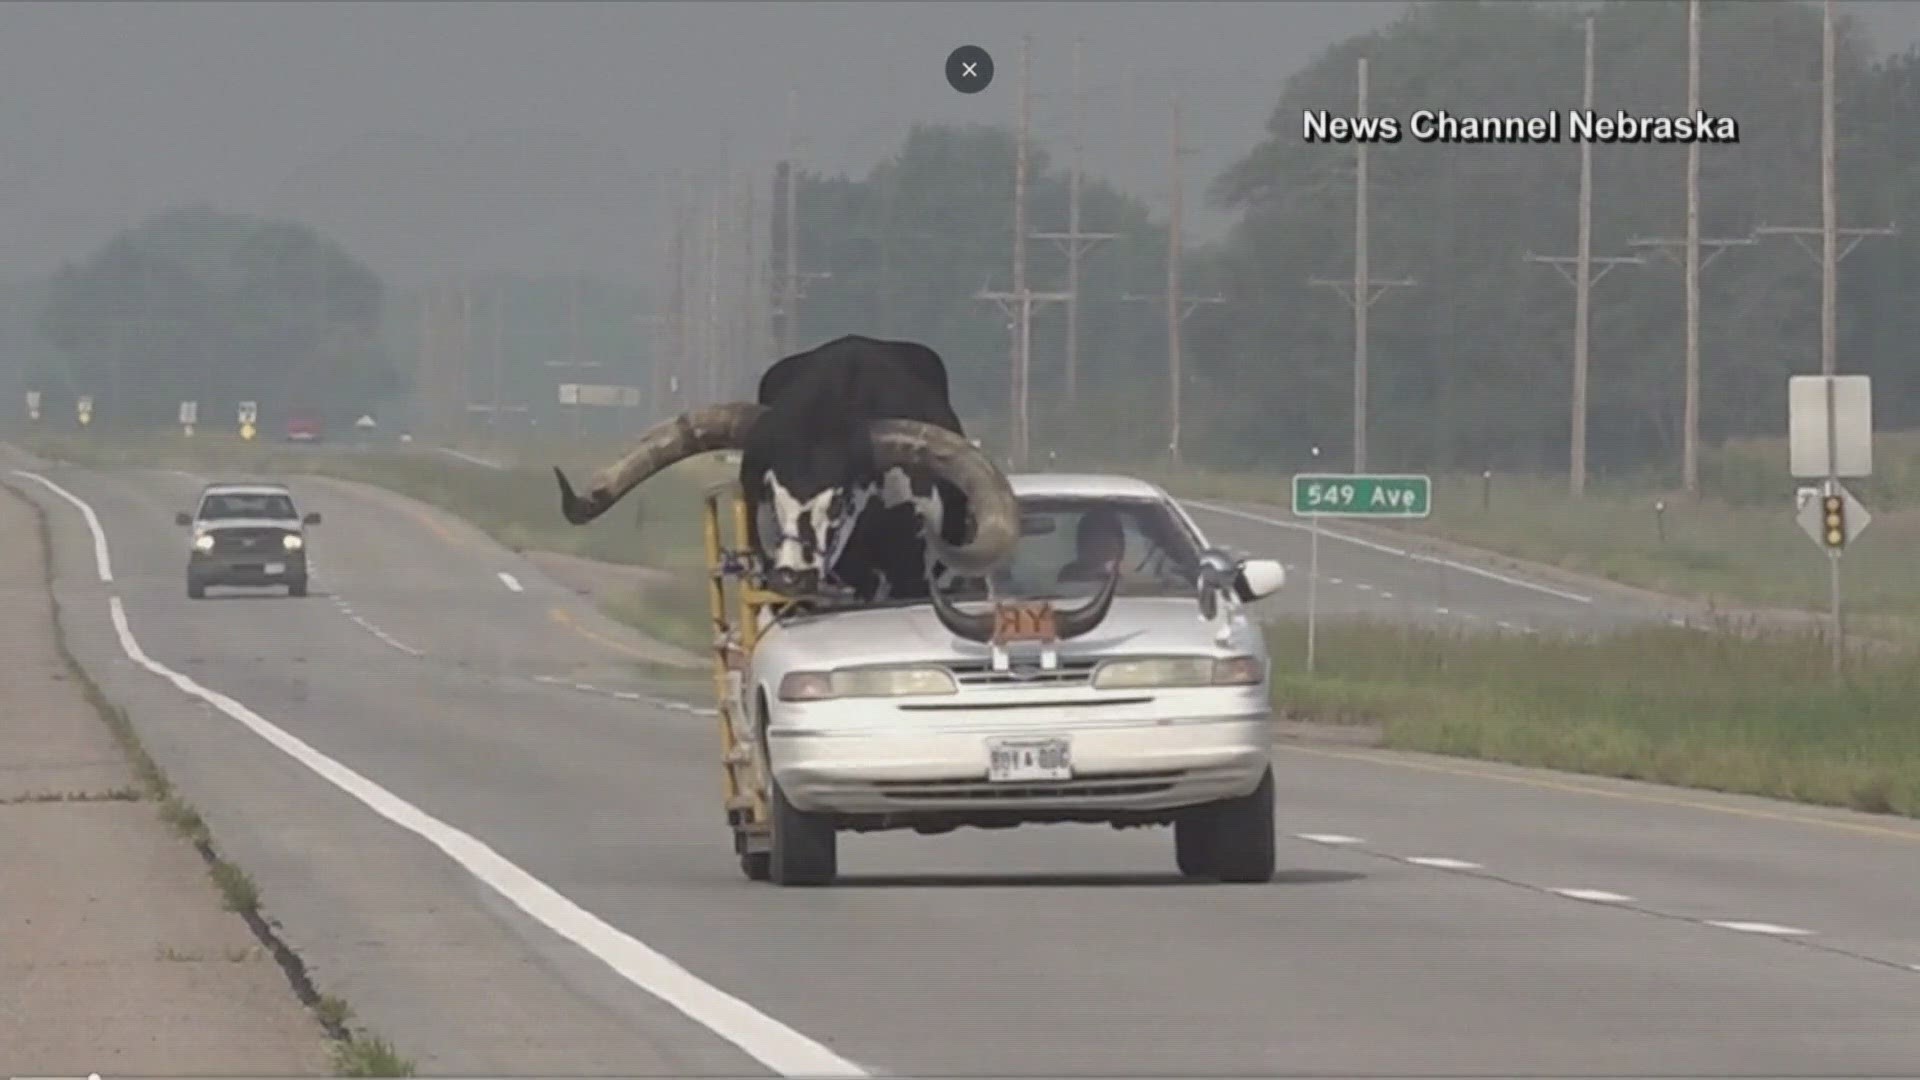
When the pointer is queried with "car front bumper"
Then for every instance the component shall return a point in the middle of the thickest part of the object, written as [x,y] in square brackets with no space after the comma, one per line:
[247,569]
[1120,768]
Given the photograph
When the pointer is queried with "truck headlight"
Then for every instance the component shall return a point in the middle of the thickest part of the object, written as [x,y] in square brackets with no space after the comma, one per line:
[203,542]
[865,683]
[292,542]
[1165,672]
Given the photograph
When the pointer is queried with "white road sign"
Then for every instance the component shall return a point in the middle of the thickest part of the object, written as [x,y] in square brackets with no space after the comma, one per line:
[249,412]
[1807,425]
[189,412]
[365,423]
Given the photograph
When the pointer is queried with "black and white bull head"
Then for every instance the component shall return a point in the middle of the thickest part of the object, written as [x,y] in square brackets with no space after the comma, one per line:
[817,489]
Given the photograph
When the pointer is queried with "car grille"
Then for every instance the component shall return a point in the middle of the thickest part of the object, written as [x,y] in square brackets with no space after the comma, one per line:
[1024,673]
[249,541]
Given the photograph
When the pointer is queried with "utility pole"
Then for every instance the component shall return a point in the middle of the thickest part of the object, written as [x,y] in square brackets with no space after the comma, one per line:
[1831,253]
[710,359]
[1178,304]
[1583,279]
[1024,337]
[499,354]
[1074,242]
[1362,291]
[790,281]
[677,316]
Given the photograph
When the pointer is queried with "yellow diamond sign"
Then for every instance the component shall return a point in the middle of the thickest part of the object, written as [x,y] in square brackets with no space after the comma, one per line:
[246,431]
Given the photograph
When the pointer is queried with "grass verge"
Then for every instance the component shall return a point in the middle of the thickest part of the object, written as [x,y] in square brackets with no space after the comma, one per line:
[351,1050]
[1754,713]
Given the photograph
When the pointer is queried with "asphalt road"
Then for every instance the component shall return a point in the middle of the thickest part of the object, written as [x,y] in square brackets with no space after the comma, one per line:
[1367,578]
[1432,916]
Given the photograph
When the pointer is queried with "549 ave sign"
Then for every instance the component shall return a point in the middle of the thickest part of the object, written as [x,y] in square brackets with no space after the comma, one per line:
[1376,495]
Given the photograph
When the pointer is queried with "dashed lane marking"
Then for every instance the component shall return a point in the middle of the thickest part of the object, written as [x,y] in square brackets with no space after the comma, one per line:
[780,1048]
[511,582]
[1595,896]
[1441,862]
[1774,929]
[1329,838]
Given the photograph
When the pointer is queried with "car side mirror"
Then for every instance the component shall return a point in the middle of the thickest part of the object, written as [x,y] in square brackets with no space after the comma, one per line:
[312,519]
[183,518]
[1259,579]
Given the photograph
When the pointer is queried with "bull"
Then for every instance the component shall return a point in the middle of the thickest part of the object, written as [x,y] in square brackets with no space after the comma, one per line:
[857,474]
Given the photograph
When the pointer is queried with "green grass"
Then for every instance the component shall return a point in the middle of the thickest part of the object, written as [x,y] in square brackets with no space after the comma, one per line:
[1738,545]
[1755,713]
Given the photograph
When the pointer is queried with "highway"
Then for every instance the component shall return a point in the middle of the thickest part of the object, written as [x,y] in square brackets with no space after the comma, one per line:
[510,875]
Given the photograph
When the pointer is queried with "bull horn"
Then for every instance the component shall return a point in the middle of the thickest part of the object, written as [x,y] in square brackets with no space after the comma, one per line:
[699,431]
[1067,624]
[993,508]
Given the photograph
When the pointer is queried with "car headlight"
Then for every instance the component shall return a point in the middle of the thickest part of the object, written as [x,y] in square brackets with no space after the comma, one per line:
[292,542]
[203,542]
[865,682]
[1162,672]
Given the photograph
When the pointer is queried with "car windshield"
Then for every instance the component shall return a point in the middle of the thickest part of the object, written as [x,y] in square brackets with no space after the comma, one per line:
[231,505]
[1065,544]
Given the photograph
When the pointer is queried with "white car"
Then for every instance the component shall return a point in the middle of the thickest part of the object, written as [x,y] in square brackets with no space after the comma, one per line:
[880,717]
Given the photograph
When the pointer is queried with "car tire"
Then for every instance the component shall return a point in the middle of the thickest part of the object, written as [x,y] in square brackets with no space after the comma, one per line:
[1234,837]
[196,591]
[297,587]
[806,850]
[1190,852]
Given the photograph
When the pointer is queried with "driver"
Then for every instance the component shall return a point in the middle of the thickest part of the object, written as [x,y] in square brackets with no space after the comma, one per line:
[1100,542]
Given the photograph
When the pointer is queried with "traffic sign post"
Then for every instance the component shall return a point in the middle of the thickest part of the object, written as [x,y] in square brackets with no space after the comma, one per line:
[33,404]
[249,415]
[84,408]
[189,415]
[1830,435]
[1351,495]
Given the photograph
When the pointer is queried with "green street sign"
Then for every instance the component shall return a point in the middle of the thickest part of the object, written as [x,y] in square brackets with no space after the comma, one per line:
[1362,495]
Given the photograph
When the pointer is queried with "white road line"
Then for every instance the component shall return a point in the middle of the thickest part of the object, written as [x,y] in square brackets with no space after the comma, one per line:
[1760,928]
[774,1045]
[1441,862]
[1597,896]
[1504,624]
[1363,586]
[1329,838]
[1441,611]
[480,461]
[1385,595]
[1415,556]
[1334,580]
[510,581]
[100,558]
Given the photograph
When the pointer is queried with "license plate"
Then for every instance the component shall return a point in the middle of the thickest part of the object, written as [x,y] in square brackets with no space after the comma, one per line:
[1014,761]
[276,568]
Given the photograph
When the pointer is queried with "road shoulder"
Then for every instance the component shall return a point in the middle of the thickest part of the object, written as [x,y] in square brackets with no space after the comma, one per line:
[121,956]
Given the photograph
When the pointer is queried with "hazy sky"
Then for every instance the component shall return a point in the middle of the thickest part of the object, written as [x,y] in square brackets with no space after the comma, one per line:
[434,138]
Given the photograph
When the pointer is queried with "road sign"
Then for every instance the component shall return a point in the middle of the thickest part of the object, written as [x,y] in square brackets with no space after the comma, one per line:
[1374,495]
[1816,518]
[249,412]
[1807,425]
[84,407]
[246,432]
[365,423]
[189,413]
[33,404]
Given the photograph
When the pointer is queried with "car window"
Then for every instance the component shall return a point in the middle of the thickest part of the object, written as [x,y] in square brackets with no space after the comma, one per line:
[215,507]
[1159,556]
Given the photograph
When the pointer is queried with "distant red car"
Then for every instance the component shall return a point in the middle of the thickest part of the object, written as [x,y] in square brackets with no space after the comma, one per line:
[303,428]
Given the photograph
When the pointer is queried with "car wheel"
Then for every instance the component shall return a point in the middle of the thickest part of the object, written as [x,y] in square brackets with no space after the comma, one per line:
[1190,836]
[196,591]
[1238,840]
[805,846]
[297,587]
[757,865]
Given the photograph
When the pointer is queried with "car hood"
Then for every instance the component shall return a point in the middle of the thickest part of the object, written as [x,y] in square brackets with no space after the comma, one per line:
[289,524]
[1134,626]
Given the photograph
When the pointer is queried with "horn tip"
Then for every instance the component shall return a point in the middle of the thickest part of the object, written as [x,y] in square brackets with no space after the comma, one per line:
[576,510]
